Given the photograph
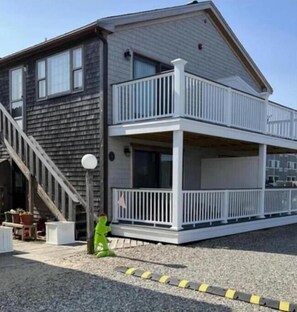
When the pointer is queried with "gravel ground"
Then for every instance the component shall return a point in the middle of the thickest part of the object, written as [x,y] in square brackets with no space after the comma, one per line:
[38,277]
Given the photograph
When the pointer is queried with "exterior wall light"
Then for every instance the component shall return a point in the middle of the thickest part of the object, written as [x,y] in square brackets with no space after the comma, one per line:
[127,151]
[127,55]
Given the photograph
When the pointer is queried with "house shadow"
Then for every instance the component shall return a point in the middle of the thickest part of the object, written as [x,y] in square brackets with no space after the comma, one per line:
[29,285]
[279,240]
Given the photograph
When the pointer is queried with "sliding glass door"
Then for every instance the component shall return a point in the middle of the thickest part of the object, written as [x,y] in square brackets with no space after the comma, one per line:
[152,169]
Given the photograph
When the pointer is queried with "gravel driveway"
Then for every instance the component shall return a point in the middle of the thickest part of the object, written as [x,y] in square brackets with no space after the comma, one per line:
[38,277]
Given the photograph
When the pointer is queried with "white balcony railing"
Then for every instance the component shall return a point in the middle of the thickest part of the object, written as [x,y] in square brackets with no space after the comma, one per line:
[144,206]
[154,207]
[201,99]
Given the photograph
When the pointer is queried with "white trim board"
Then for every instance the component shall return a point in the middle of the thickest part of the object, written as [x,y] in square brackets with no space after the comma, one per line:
[187,236]
[199,127]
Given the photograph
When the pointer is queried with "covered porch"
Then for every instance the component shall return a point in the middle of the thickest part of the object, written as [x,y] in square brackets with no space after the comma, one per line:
[216,188]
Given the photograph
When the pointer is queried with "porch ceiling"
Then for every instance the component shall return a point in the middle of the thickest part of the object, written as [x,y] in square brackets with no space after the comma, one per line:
[205,141]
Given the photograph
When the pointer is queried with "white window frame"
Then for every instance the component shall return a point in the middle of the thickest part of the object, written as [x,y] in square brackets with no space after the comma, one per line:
[291,178]
[273,163]
[72,71]
[290,165]
[274,178]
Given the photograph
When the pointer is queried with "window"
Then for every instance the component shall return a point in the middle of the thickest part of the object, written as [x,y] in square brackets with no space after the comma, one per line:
[60,73]
[290,165]
[143,66]
[273,178]
[289,178]
[16,95]
[273,164]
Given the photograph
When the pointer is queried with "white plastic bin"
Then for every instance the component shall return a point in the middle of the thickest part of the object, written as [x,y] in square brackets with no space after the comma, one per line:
[6,239]
[60,232]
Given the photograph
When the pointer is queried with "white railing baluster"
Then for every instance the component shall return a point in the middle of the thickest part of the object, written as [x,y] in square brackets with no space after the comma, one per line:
[278,201]
[144,206]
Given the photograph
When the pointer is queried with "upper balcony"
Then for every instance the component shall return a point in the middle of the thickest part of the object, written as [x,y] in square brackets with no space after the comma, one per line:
[177,93]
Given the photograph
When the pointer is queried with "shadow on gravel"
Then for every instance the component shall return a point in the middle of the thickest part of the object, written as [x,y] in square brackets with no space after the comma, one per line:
[28,285]
[173,266]
[281,240]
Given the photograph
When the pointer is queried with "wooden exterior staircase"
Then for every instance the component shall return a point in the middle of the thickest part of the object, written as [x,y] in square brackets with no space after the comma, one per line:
[44,177]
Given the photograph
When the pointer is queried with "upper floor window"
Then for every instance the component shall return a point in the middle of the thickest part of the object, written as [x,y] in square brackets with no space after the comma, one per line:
[143,66]
[273,163]
[291,165]
[60,73]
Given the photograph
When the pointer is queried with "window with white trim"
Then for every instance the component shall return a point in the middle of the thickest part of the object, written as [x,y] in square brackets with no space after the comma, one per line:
[273,163]
[60,73]
[291,178]
[290,165]
[272,178]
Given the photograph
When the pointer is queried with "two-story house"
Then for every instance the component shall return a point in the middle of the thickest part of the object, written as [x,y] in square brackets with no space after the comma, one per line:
[175,110]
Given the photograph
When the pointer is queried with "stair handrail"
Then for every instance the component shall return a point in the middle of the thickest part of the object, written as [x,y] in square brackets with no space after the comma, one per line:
[57,170]
[37,153]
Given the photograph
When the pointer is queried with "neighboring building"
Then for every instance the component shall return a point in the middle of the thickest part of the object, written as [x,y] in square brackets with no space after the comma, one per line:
[282,167]
[176,112]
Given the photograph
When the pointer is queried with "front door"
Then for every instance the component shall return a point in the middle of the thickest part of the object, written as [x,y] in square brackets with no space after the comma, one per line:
[17,94]
[152,169]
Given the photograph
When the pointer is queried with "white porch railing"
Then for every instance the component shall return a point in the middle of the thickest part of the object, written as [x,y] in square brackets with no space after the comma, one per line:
[203,206]
[145,206]
[209,206]
[281,121]
[201,99]
[155,206]
[244,203]
[143,99]
[280,201]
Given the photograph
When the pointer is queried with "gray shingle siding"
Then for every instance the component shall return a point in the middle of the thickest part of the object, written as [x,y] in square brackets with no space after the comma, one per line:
[173,39]
[69,126]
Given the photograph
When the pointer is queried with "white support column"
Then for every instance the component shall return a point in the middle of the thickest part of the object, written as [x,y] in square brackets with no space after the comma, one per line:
[179,87]
[228,108]
[177,180]
[115,103]
[265,96]
[292,125]
[262,176]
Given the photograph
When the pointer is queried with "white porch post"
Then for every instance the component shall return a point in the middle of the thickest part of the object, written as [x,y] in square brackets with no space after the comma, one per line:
[262,176]
[179,87]
[177,180]
[265,96]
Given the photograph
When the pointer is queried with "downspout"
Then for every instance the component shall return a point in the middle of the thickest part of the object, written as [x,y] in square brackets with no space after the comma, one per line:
[105,119]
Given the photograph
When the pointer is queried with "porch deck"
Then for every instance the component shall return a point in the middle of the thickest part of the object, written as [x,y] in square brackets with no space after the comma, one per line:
[181,94]
[148,214]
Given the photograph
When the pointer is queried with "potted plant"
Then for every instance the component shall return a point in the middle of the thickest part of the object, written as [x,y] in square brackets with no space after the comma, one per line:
[26,218]
[8,217]
[15,216]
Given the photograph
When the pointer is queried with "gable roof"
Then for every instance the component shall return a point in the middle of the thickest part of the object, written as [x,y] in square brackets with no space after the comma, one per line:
[110,24]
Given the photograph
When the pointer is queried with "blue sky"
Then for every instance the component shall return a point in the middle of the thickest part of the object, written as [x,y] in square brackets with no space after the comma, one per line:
[266,28]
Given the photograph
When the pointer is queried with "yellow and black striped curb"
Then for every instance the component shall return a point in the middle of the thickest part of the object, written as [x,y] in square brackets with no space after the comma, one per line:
[218,291]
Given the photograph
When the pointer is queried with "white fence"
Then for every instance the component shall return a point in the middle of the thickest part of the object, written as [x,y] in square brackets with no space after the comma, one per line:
[205,100]
[155,206]
[244,203]
[145,98]
[281,121]
[210,206]
[144,206]
[203,206]
[280,201]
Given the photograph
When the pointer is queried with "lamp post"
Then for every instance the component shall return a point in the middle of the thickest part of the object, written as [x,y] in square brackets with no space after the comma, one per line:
[89,162]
